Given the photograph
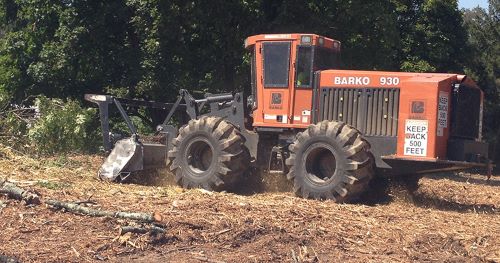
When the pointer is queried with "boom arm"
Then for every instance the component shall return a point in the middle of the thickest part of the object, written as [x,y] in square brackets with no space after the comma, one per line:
[228,106]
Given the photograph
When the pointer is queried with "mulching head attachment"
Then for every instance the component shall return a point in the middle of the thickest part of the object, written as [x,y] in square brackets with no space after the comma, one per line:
[130,155]
[126,157]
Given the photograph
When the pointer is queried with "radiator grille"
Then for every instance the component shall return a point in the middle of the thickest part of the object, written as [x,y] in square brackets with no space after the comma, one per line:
[374,111]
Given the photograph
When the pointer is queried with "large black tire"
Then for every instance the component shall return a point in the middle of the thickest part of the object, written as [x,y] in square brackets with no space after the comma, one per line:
[208,153]
[330,160]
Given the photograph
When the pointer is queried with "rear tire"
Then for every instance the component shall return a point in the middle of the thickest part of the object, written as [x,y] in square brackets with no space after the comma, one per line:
[330,160]
[208,153]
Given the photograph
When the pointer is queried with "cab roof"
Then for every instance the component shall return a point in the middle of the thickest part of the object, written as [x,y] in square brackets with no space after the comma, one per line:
[302,38]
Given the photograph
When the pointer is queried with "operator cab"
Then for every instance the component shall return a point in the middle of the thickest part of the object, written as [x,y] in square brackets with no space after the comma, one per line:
[283,67]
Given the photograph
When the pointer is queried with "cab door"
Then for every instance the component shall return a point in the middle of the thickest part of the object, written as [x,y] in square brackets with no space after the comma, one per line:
[276,61]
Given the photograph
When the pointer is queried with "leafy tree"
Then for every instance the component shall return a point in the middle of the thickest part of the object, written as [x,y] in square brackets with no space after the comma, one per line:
[432,35]
[367,29]
[483,63]
[150,49]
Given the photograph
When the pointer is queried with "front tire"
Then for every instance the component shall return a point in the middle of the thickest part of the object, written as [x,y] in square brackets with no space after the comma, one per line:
[208,153]
[330,160]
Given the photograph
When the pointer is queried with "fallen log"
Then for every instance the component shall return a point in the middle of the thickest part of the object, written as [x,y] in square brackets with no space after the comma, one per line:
[30,197]
[141,230]
[79,209]
[15,192]
[6,259]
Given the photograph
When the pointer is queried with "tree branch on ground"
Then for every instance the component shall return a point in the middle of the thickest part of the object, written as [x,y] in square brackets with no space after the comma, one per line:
[141,230]
[31,197]
[79,209]
[18,193]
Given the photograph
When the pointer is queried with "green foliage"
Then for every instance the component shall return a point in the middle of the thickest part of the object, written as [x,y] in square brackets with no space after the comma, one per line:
[52,185]
[62,127]
[13,130]
[432,35]
[118,125]
[414,64]
[13,125]
[152,48]
[483,63]
[62,161]
[149,49]
[4,99]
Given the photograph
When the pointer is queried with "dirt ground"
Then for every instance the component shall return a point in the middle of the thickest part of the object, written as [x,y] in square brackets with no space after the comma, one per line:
[450,218]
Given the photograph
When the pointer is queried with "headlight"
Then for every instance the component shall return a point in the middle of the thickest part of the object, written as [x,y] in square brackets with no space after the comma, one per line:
[305,40]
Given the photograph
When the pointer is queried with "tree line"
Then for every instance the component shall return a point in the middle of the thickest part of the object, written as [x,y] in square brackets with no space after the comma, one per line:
[149,49]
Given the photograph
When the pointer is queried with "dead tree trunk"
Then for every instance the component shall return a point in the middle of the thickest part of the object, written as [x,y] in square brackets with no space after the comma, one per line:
[78,209]
[18,193]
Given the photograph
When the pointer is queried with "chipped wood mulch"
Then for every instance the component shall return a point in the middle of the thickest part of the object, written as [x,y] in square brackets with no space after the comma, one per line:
[450,218]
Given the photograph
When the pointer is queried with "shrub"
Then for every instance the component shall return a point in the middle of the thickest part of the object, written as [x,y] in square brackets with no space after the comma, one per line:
[50,126]
[14,123]
[56,126]
[63,127]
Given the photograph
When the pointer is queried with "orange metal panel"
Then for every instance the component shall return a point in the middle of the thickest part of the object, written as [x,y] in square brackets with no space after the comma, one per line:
[428,94]
[296,103]
[424,88]
[327,42]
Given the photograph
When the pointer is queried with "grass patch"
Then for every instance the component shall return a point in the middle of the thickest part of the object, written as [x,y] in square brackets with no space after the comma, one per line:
[53,185]
[62,161]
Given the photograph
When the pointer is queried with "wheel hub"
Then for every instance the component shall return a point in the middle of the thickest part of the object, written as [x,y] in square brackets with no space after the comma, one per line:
[320,163]
[199,156]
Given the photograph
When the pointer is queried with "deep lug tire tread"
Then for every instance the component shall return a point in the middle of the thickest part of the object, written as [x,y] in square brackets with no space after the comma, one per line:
[356,162]
[232,155]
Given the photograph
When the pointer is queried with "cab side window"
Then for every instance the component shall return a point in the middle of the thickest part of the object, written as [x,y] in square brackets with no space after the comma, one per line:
[303,70]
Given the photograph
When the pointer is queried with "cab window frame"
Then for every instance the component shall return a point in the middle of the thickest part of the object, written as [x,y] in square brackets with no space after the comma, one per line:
[253,76]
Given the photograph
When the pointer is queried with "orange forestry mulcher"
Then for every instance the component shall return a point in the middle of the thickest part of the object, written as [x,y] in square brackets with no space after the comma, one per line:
[329,130]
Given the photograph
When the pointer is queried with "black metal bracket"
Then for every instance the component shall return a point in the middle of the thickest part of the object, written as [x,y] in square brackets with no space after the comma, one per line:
[276,163]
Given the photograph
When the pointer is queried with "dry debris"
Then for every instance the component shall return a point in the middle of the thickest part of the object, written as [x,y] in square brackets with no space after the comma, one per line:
[452,218]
